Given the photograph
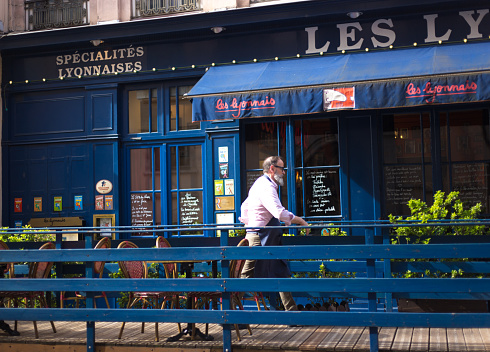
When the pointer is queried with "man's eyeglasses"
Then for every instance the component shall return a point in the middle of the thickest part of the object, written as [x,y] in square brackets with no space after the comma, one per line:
[280,167]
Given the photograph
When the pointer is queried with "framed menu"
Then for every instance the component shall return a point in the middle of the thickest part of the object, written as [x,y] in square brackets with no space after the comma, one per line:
[322,192]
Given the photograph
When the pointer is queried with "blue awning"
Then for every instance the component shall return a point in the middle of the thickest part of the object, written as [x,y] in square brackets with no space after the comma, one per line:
[300,86]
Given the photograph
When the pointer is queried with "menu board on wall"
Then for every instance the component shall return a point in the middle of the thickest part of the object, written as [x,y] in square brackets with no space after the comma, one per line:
[403,182]
[322,192]
[190,208]
[141,209]
[470,180]
[251,177]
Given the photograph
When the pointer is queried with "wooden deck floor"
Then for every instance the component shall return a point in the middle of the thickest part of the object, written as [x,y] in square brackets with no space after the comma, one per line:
[70,337]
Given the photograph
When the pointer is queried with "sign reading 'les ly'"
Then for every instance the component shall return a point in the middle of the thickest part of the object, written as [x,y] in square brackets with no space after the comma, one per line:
[239,107]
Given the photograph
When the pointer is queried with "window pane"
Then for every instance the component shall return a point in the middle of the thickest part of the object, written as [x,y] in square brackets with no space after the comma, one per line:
[141,169]
[322,192]
[470,139]
[184,108]
[142,209]
[175,209]
[154,111]
[465,147]
[139,111]
[173,108]
[191,208]
[407,155]
[158,209]
[185,111]
[260,143]
[320,140]
[156,161]
[190,167]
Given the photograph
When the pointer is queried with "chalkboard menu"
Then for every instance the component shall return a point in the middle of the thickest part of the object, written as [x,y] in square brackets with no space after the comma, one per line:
[191,208]
[402,183]
[251,177]
[322,192]
[141,209]
[471,182]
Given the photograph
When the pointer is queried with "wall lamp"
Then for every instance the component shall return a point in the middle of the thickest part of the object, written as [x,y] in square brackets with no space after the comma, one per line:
[217,30]
[96,42]
[354,14]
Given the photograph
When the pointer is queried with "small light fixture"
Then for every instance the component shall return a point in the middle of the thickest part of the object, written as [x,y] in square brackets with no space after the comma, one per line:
[96,42]
[255,60]
[354,14]
[217,30]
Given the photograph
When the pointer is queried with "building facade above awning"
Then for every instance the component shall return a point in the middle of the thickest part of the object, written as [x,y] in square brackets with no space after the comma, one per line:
[382,79]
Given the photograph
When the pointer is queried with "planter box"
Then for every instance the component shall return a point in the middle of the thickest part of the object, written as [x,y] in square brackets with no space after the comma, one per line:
[442,306]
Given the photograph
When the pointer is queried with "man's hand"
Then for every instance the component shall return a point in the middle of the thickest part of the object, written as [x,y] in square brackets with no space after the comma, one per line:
[300,221]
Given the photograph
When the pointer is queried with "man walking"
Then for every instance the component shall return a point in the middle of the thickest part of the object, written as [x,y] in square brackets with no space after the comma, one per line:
[263,208]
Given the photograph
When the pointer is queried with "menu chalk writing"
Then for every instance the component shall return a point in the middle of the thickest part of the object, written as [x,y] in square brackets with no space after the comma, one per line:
[251,177]
[322,192]
[141,209]
[402,183]
[470,181]
[190,208]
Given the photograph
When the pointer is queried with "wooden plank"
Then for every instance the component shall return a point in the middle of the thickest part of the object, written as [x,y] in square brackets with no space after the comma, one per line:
[420,339]
[455,340]
[402,340]
[438,340]
[333,338]
[385,338]
[473,340]
[349,339]
[485,334]
[250,342]
[363,344]
[280,339]
[315,338]
[299,338]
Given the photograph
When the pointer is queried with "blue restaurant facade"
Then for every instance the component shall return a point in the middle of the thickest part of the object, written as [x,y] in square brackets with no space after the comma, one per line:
[166,121]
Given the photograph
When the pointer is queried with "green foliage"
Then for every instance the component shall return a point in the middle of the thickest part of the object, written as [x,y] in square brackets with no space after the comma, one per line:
[443,208]
[237,232]
[27,235]
[448,207]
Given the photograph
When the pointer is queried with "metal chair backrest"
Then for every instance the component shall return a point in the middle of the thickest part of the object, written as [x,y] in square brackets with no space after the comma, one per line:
[4,267]
[236,266]
[132,269]
[41,270]
[105,242]
[170,268]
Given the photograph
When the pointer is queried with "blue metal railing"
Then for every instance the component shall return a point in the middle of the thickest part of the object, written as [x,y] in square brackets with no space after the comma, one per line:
[376,256]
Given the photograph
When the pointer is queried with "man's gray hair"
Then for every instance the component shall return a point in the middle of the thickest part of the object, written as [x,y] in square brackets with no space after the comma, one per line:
[272,160]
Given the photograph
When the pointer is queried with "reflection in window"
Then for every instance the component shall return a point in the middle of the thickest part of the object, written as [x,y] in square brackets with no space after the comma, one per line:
[186,187]
[145,188]
[407,161]
[181,110]
[317,178]
[465,153]
[142,111]
[261,141]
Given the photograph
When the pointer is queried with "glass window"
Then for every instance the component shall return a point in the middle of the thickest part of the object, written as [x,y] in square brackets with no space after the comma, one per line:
[465,154]
[186,186]
[142,107]
[145,187]
[261,141]
[315,163]
[181,110]
[407,165]
[317,177]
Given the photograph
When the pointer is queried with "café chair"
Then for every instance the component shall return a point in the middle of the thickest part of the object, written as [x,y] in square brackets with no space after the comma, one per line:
[203,299]
[104,243]
[171,272]
[139,270]
[37,270]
